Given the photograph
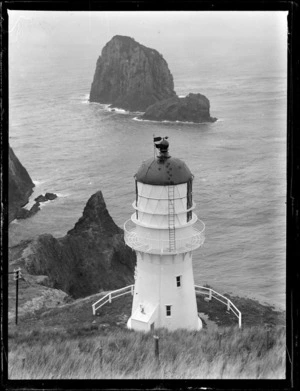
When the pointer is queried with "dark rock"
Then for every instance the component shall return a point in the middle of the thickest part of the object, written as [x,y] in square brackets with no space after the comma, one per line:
[46,197]
[22,213]
[25,213]
[192,108]
[20,186]
[91,257]
[50,196]
[41,198]
[35,208]
[131,76]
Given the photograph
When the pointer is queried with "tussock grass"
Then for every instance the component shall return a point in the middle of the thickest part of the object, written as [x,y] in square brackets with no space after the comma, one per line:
[75,353]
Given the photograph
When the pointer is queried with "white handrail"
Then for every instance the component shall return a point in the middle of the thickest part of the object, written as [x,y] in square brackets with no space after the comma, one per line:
[208,291]
[213,294]
[110,296]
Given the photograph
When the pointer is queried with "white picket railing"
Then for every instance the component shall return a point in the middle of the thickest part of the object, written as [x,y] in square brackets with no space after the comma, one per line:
[213,294]
[198,289]
[112,295]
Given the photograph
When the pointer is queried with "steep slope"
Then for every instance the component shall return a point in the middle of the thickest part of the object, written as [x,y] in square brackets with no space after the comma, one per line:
[91,257]
[20,185]
[130,76]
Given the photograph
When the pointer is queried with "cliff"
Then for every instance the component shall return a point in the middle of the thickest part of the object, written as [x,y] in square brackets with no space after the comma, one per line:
[192,108]
[131,76]
[91,257]
[20,185]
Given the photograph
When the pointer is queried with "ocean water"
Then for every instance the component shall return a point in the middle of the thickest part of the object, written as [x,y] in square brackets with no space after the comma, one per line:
[74,148]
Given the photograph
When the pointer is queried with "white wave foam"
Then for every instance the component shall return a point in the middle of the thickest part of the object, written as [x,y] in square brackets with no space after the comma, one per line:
[42,204]
[172,122]
[85,99]
[117,110]
[102,105]
[15,222]
[62,195]
[29,205]
[38,183]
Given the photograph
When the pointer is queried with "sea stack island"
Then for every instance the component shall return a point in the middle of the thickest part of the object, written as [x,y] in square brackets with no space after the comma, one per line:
[136,78]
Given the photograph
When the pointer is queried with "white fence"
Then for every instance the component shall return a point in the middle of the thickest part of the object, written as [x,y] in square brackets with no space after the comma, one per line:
[198,289]
[213,294]
[112,295]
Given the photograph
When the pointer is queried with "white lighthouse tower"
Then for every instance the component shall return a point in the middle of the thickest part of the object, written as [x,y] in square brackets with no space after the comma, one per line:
[164,231]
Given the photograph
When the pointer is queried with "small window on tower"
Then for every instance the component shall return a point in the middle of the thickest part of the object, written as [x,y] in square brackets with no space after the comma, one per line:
[168,310]
[178,281]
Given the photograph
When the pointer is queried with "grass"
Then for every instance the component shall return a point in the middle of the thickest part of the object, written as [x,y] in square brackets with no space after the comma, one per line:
[239,354]
[65,343]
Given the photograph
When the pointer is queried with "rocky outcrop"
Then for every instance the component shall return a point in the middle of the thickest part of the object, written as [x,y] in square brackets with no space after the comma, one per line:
[192,108]
[20,185]
[136,78]
[131,76]
[24,213]
[46,197]
[91,257]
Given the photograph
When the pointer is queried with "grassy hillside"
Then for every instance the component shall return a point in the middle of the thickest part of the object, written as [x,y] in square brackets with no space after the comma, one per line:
[65,343]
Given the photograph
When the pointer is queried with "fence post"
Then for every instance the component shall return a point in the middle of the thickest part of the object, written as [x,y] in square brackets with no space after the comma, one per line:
[210,294]
[228,305]
[16,277]
[101,356]
[93,305]
[109,298]
[220,338]
[156,347]
[240,320]
[267,328]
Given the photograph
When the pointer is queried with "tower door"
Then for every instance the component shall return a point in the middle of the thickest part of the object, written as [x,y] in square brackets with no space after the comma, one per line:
[171,218]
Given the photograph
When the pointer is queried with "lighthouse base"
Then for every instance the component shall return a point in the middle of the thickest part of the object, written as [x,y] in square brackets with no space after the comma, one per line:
[138,325]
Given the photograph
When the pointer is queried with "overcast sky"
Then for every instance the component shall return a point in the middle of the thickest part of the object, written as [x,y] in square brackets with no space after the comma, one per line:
[149,27]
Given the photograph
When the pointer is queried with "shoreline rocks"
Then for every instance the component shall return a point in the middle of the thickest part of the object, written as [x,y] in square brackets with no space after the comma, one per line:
[24,213]
[91,257]
[20,186]
[193,108]
[133,77]
[46,197]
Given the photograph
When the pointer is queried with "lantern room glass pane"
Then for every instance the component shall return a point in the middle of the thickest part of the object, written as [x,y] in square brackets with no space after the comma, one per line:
[136,199]
[189,199]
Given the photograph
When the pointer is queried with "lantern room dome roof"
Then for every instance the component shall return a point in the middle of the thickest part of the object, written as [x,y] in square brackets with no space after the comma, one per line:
[169,171]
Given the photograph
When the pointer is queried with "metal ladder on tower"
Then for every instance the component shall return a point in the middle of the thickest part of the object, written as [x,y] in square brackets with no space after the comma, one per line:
[171,218]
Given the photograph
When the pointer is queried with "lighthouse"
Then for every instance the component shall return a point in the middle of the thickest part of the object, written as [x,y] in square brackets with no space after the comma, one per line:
[164,231]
